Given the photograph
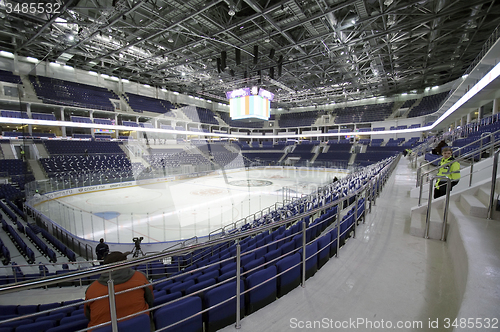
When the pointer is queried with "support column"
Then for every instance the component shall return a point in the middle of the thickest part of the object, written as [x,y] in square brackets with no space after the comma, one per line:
[480,113]
[116,123]
[28,112]
[468,118]
[63,128]
[496,102]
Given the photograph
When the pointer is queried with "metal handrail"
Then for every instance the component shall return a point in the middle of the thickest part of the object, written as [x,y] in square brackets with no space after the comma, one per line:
[446,204]
[493,184]
[461,158]
[419,170]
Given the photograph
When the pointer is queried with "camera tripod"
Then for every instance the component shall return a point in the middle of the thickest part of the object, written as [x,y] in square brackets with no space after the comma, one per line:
[137,251]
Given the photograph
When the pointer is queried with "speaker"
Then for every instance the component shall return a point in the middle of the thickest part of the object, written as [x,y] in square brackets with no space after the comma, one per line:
[231,72]
[271,53]
[223,56]
[259,73]
[218,66]
[237,56]
[245,74]
[271,72]
[255,54]
[280,65]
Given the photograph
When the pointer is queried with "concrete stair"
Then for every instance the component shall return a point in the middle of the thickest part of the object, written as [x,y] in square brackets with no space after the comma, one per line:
[472,202]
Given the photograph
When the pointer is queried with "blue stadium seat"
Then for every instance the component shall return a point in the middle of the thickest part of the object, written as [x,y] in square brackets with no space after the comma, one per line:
[271,255]
[199,286]
[36,327]
[166,298]
[323,249]
[134,324]
[207,276]
[254,266]
[181,287]
[290,279]
[311,259]
[180,310]
[224,314]
[263,294]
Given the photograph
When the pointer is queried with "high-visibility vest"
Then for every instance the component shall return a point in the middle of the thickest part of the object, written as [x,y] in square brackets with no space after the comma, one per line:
[452,171]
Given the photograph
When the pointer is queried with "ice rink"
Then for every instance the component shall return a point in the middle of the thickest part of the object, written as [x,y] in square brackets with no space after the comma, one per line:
[180,209]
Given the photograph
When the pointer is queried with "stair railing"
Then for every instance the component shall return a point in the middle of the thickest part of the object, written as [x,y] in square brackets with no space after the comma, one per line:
[446,205]
[459,150]
[463,157]
[493,184]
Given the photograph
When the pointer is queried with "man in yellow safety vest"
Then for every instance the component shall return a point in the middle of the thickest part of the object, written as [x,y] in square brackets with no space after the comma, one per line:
[452,171]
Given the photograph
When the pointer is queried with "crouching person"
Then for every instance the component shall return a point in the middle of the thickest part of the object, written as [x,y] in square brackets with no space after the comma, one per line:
[451,171]
[128,303]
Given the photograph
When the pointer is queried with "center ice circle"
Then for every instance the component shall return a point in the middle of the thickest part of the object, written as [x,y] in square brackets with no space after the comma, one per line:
[250,183]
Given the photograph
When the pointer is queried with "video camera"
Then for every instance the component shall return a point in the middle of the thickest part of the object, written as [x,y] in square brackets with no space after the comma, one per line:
[137,241]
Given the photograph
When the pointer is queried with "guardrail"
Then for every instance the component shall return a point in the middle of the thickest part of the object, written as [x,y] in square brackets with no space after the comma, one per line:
[459,150]
[446,205]
[471,154]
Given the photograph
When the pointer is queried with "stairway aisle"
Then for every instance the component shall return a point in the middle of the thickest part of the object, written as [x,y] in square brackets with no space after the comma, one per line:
[382,274]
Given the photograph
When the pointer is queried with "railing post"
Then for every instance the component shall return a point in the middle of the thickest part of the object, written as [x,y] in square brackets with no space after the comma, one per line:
[339,206]
[238,291]
[355,217]
[112,304]
[304,256]
[493,184]
[364,208]
[446,203]
[471,171]
[428,215]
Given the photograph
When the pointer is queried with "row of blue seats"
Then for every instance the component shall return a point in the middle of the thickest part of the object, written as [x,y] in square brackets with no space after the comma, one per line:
[41,245]
[14,114]
[261,274]
[9,192]
[19,242]
[4,251]
[69,318]
[59,245]
[8,212]
[16,209]
[80,147]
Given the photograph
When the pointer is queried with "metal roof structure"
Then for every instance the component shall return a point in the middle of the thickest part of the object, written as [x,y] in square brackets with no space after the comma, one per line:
[306,52]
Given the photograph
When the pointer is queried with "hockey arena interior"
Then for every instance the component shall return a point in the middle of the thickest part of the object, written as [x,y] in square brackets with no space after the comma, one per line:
[266,165]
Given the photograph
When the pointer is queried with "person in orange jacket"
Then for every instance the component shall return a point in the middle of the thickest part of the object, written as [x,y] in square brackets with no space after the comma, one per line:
[98,312]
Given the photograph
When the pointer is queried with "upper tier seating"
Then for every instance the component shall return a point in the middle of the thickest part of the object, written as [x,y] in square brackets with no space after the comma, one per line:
[408,103]
[14,114]
[200,114]
[299,119]
[142,103]
[103,121]
[43,116]
[171,158]
[7,76]
[82,147]
[365,113]
[428,104]
[80,119]
[59,92]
